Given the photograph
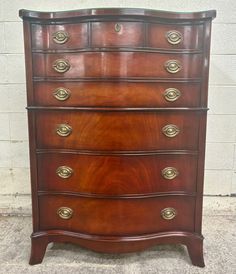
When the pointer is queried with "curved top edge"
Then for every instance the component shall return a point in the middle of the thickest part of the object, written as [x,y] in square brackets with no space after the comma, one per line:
[29,14]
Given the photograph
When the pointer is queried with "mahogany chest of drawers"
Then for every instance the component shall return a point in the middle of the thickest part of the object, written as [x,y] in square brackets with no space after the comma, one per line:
[117,102]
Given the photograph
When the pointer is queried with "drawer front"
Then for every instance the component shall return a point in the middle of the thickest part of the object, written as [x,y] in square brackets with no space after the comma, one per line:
[67,36]
[117,94]
[115,216]
[117,130]
[116,175]
[117,64]
[175,36]
[123,34]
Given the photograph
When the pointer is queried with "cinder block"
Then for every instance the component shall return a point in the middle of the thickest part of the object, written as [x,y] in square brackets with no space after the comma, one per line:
[18,126]
[219,156]
[15,68]
[14,37]
[5,101]
[17,97]
[2,44]
[19,154]
[5,155]
[5,127]
[217,182]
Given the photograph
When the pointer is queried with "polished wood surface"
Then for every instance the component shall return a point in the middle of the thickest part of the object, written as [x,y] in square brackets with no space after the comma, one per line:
[112,167]
[121,130]
[117,64]
[124,217]
[117,94]
[116,175]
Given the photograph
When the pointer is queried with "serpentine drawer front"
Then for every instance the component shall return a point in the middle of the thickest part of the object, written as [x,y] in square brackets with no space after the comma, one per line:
[117,102]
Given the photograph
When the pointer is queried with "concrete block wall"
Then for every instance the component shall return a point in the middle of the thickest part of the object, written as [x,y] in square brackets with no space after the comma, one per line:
[220,178]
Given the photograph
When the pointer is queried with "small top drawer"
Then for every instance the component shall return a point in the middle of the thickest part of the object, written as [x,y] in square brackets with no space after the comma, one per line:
[67,36]
[117,34]
[175,36]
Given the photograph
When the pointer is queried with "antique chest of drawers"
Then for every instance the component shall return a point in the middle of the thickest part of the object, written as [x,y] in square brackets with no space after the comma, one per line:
[117,102]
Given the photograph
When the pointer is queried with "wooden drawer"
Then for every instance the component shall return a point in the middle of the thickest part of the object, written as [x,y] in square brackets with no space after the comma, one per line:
[65,36]
[175,36]
[124,94]
[116,175]
[116,216]
[116,64]
[117,130]
[119,34]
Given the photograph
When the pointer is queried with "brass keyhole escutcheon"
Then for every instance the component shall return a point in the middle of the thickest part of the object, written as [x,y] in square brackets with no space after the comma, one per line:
[61,65]
[168,213]
[65,212]
[170,130]
[169,173]
[117,27]
[64,172]
[173,66]
[174,37]
[172,94]
[64,130]
[60,37]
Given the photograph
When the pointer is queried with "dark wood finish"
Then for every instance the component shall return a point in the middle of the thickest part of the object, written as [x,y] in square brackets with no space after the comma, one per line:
[117,130]
[191,36]
[42,36]
[117,64]
[116,175]
[124,217]
[117,94]
[116,108]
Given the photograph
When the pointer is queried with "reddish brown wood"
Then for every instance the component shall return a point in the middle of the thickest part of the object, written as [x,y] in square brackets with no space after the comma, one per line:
[124,217]
[117,175]
[128,34]
[192,36]
[117,94]
[42,36]
[117,130]
[117,110]
[117,64]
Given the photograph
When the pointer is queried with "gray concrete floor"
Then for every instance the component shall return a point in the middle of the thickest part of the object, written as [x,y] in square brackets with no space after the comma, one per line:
[219,229]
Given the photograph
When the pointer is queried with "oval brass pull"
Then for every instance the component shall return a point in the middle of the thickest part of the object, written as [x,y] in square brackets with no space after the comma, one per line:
[60,37]
[173,66]
[174,37]
[117,27]
[65,212]
[61,65]
[64,130]
[172,94]
[64,172]
[169,173]
[61,94]
[170,130]
[168,213]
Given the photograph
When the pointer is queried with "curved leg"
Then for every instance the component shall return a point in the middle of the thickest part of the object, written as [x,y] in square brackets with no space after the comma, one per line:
[195,251]
[38,248]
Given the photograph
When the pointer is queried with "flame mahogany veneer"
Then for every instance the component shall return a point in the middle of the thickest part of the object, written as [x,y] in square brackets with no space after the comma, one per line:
[117,102]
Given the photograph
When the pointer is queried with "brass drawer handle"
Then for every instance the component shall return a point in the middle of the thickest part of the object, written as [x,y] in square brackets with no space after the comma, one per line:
[61,65]
[117,27]
[65,212]
[61,94]
[64,172]
[170,130]
[170,173]
[172,94]
[60,37]
[168,213]
[173,66]
[174,37]
[64,130]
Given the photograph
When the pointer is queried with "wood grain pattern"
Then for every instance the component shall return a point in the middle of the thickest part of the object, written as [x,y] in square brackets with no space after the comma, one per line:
[124,217]
[116,175]
[117,130]
[117,94]
[117,64]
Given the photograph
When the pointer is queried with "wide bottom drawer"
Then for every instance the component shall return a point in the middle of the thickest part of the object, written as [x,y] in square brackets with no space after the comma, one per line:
[102,216]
